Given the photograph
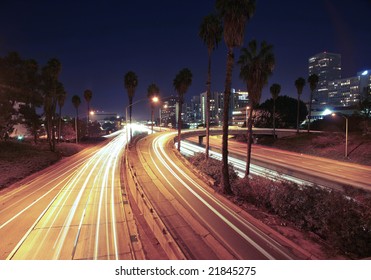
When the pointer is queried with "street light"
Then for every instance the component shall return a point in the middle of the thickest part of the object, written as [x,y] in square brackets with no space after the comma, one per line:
[155,99]
[346,131]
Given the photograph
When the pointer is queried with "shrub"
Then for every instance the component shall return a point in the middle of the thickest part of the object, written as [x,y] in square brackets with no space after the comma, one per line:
[212,168]
[341,221]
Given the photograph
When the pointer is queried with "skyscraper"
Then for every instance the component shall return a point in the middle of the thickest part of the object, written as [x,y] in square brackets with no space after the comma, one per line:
[327,66]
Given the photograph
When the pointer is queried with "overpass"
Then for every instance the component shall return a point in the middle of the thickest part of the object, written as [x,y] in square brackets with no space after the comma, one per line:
[201,133]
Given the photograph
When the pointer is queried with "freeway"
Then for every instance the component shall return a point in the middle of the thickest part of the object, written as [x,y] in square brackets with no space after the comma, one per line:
[72,210]
[321,171]
[239,234]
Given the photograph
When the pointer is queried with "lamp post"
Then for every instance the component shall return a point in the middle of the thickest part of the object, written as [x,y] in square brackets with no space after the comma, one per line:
[155,99]
[346,132]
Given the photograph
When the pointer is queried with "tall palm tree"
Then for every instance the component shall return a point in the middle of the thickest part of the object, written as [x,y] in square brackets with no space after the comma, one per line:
[76,101]
[49,76]
[152,91]
[234,14]
[313,81]
[181,84]
[61,99]
[88,94]
[211,31]
[299,84]
[256,67]
[275,90]
[130,83]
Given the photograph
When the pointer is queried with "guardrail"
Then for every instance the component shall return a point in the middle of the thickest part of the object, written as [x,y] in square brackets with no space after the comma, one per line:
[153,220]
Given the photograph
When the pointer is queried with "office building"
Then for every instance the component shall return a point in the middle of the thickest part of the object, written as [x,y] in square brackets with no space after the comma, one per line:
[347,93]
[327,66]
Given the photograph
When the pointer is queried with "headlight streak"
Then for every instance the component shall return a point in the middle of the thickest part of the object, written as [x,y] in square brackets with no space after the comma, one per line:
[240,165]
[97,173]
[58,245]
[66,172]
[157,145]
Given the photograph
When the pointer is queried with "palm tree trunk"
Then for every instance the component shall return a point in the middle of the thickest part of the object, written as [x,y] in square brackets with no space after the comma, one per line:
[227,92]
[152,119]
[249,142]
[274,119]
[87,125]
[59,124]
[310,110]
[53,132]
[179,122]
[130,110]
[76,125]
[208,95]
[297,115]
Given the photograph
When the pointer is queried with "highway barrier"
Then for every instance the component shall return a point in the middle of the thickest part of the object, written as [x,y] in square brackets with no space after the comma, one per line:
[153,220]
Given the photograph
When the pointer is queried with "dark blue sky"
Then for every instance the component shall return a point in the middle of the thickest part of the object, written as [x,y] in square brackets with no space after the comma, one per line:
[97,42]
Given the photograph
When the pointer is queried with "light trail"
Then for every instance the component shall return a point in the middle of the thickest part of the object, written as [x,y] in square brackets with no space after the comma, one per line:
[90,187]
[158,146]
[190,149]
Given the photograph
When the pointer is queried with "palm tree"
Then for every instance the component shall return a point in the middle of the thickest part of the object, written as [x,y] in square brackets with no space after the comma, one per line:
[181,84]
[88,94]
[275,90]
[299,84]
[313,81]
[76,101]
[152,91]
[49,76]
[235,14]
[256,67]
[130,83]
[211,31]
[61,99]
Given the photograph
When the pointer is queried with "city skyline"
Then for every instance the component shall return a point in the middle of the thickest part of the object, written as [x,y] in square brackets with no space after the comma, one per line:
[98,43]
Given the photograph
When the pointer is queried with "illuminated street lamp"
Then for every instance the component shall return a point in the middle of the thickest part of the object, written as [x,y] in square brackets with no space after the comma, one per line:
[155,99]
[346,131]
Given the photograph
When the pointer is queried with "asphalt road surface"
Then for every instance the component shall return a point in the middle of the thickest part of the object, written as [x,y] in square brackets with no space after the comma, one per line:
[241,237]
[318,170]
[71,210]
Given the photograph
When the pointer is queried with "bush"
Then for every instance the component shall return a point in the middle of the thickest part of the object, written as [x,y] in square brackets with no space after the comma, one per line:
[212,168]
[324,141]
[341,221]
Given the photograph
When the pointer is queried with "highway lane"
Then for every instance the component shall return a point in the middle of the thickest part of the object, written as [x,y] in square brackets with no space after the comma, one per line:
[324,171]
[72,210]
[241,237]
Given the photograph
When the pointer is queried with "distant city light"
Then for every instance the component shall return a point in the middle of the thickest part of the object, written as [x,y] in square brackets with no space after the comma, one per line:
[327,112]
[365,73]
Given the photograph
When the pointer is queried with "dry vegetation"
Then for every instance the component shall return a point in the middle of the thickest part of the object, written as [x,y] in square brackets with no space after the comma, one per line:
[340,222]
[20,159]
[328,145]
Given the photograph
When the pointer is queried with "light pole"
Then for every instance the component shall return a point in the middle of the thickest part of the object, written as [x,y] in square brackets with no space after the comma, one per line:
[346,131]
[155,99]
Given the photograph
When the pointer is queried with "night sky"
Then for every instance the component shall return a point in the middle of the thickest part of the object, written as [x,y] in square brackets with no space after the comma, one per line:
[97,42]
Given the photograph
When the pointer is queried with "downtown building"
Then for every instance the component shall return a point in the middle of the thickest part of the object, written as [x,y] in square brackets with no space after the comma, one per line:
[347,93]
[327,66]
[238,108]
[334,93]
